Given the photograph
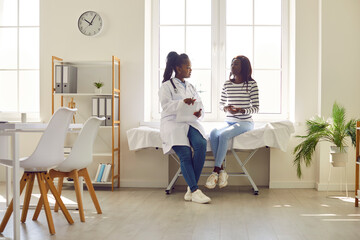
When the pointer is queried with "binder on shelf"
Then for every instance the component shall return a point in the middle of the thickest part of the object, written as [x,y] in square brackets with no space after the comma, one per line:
[97,173]
[108,112]
[102,103]
[95,107]
[58,79]
[106,173]
[102,168]
[69,79]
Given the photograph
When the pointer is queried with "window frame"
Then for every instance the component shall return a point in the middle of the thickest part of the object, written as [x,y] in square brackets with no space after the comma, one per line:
[218,62]
[16,115]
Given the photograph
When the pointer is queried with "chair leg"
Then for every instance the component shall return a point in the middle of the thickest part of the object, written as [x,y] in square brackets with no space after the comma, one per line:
[29,188]
[39,206]
[59,189]
[84,173]
[74,174]
[40,177]
[9,210]
[53,190]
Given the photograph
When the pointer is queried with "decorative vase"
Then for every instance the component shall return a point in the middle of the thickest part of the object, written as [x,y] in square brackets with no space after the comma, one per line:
[98,90]
[338,158]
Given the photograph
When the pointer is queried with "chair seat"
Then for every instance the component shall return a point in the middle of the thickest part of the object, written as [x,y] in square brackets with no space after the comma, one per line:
[9,162]
[22,163]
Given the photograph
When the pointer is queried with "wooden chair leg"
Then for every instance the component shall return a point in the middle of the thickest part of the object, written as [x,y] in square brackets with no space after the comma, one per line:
[29,188]
[39,206]
[59,189]
[53,190]
[74,174]
[9,210]
[41,180]
[84,173]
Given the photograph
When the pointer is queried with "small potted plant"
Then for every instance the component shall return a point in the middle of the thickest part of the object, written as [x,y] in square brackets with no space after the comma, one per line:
[334,130]
[98,85]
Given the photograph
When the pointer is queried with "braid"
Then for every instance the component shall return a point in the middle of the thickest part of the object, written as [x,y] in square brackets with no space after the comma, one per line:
[173,60]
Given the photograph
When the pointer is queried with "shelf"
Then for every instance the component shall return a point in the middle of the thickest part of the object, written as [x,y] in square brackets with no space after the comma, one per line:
[89,63]
[84,94]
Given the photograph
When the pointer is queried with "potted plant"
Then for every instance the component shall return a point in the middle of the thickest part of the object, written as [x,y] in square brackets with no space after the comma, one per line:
[334,130]
[98,85]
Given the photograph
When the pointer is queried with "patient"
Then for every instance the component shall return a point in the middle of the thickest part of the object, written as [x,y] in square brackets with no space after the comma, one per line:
[174,94]
[239,100]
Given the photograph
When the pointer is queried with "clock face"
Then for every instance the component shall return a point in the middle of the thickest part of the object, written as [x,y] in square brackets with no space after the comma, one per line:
[90,23]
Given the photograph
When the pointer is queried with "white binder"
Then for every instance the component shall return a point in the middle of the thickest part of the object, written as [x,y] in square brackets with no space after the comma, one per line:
[95,107]
[69,79]
[58,79]
[102,103]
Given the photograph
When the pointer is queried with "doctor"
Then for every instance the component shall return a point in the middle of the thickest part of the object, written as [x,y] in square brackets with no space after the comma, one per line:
[180,136]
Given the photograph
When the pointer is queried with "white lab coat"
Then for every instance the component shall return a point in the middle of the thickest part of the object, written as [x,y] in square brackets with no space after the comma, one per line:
[175,133]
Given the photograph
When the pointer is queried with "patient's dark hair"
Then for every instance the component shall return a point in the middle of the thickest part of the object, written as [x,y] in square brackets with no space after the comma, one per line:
[173,60]
[246,69]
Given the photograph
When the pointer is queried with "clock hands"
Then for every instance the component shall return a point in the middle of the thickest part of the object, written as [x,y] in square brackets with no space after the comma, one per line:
[88,22]
[93,19]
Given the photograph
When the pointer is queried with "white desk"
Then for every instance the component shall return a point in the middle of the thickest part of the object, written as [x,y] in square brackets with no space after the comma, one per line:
[12,130]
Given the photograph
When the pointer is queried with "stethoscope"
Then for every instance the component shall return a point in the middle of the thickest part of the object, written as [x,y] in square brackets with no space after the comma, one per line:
[172,83]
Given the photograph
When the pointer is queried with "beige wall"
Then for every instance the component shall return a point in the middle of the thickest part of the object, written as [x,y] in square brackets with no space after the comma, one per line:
[324,55]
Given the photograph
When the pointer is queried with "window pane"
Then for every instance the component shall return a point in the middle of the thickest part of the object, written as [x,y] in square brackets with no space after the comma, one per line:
[196,16]
[29,12]
[29,48]
[29,91]
[269,83]
[8,94]
[198,46]
[172,11]
[268,12]
[201,79]
[8,13]
[171,39]
[8,48]
[239,11]
[267,47]
[239,41]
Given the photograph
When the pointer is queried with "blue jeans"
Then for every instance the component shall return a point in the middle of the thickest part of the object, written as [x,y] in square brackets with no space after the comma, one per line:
[219,138]
[192,165]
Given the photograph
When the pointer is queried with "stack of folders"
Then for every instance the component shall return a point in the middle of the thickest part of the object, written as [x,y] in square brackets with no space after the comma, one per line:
[103,172]
[102,106]
[65,79]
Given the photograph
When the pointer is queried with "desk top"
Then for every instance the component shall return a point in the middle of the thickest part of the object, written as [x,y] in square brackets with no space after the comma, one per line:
[18,126]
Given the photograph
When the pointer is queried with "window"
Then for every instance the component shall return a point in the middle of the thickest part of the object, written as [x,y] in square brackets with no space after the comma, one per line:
[19,59]
[212,32]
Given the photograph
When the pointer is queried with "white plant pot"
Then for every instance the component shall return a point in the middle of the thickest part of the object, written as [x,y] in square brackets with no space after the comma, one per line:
[98,90]
[337,158]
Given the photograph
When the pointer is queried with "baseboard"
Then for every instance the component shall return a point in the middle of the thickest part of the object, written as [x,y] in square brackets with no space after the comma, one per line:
[301,184]
[335,187]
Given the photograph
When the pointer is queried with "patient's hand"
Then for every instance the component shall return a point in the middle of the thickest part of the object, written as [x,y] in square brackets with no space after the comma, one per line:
[198,114]
[189,101]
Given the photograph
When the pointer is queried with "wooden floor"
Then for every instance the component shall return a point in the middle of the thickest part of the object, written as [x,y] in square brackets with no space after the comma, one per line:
[234,213]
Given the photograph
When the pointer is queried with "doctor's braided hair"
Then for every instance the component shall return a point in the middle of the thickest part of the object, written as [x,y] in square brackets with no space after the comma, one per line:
[173,60]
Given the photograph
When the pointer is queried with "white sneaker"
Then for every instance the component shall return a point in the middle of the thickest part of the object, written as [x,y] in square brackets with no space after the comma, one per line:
[212,180]
[188,194]
[199,197]
[223,177]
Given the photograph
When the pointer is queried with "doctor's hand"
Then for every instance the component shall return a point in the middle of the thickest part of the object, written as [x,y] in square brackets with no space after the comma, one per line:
[189,101]
[198,114]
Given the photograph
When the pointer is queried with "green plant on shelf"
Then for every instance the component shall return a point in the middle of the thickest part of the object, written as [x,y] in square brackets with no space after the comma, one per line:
[98,84]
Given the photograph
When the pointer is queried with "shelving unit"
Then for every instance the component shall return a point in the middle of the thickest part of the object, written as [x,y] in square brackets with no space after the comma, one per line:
[85,93]
[357,164]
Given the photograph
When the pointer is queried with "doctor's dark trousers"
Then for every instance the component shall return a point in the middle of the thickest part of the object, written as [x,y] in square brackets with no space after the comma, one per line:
[192,164]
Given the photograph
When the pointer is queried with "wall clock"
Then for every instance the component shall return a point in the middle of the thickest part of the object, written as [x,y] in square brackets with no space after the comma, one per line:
[90,23]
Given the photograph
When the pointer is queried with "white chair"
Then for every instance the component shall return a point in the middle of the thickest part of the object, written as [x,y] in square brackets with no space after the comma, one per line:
[48,153]
[75,165]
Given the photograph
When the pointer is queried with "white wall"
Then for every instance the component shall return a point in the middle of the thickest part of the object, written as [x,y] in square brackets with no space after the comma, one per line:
[324,58]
